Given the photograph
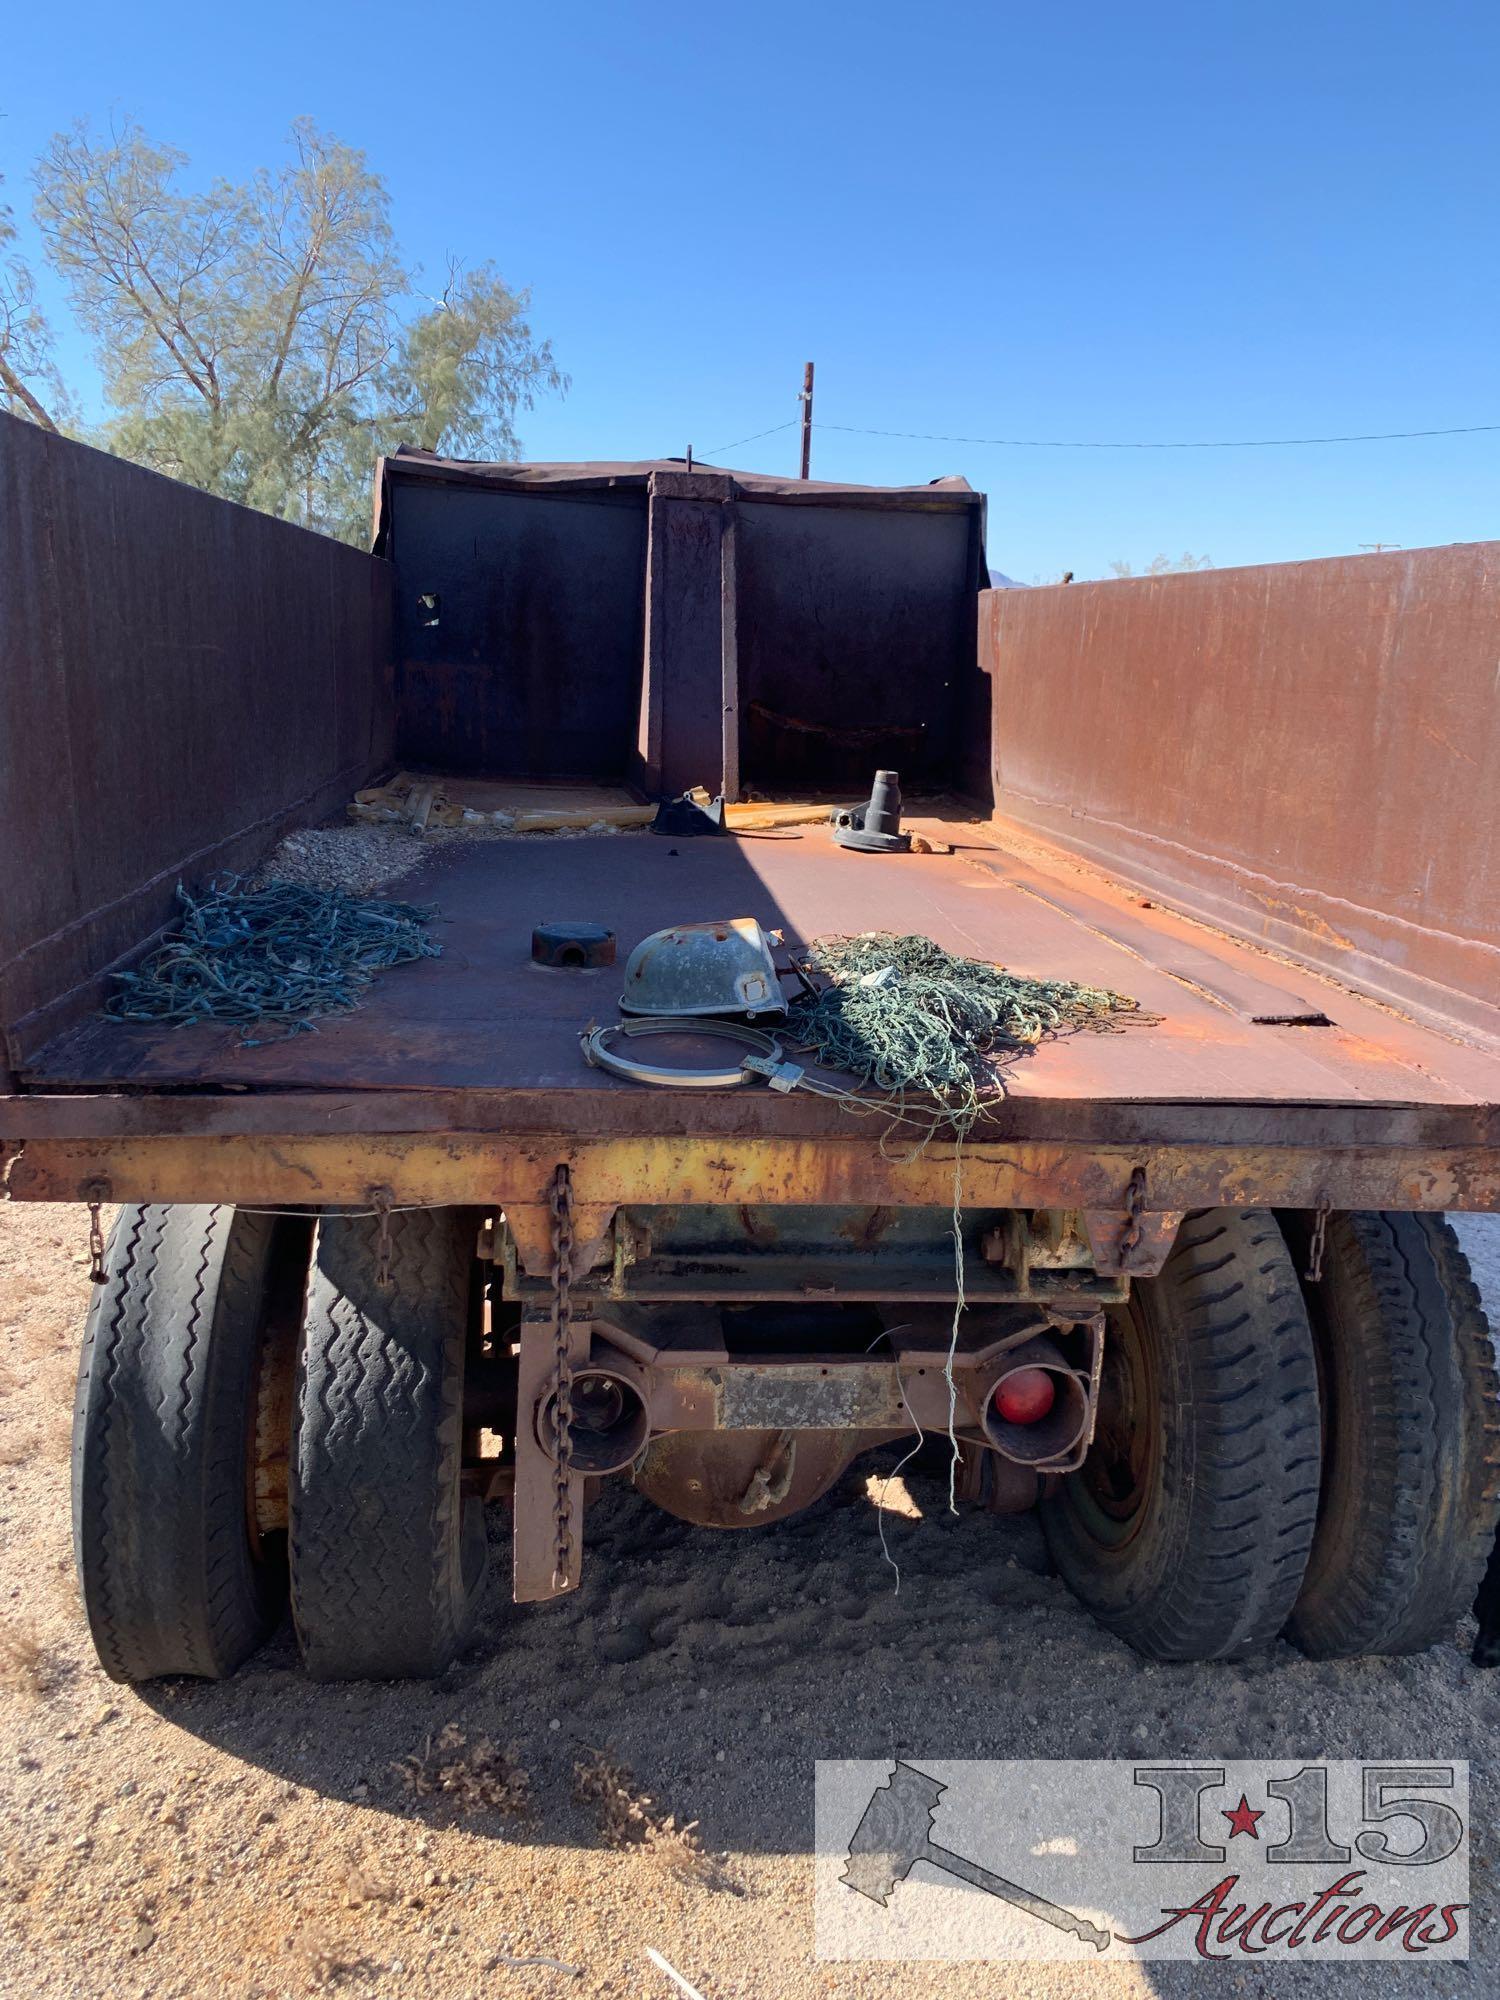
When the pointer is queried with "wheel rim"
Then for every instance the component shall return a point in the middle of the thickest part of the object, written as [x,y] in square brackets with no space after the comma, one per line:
[1113,1491]
[271,1411]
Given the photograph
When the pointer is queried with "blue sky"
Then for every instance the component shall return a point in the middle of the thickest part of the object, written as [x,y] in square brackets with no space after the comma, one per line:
[1091,222]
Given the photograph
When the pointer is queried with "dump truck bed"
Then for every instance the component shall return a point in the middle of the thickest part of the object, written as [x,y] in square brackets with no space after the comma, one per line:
[1300,756]
[1239,1047]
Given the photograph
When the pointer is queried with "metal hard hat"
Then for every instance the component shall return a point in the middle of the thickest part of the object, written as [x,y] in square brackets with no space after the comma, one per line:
[717,968]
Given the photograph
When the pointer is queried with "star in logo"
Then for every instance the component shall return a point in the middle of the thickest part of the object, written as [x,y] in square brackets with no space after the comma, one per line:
[1243,1819]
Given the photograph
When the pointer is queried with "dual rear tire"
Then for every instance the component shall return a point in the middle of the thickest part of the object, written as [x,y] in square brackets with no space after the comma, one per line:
[1411,1474]
[1272,1456]
[1277,1455]
[1187,1529]
[186,1373]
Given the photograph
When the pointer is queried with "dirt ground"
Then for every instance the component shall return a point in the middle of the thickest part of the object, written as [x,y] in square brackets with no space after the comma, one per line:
[269,1837]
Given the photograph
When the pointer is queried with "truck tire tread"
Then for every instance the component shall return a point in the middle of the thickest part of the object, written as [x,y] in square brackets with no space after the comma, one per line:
[161,1429]
[382,1557]
[1412,1485]
[1217,1562]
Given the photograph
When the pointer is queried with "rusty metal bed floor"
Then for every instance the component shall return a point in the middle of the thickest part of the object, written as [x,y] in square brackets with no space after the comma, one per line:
[1235,1026]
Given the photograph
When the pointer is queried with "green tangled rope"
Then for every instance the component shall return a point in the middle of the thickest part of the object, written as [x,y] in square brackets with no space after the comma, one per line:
[282,953]
[902,1014]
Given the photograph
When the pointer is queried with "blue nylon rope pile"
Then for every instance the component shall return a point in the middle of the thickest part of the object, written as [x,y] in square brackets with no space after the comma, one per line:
[283,953]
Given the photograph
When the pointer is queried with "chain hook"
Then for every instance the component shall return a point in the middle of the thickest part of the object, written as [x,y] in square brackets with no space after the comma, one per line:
[97,1273]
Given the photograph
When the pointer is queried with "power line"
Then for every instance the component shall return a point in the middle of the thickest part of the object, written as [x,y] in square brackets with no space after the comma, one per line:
[735,443]
[1114,444]
[1172,444]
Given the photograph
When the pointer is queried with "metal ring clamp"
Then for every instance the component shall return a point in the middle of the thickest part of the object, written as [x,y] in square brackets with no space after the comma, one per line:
[599,1055]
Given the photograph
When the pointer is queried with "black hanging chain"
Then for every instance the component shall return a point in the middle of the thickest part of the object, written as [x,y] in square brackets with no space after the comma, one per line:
[381,1200]
[97,1273]
[1135,1201]
[1317,1247]
[560,1202]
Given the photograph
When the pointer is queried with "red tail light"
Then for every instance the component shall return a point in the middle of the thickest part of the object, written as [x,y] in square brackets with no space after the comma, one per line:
[1026,1396]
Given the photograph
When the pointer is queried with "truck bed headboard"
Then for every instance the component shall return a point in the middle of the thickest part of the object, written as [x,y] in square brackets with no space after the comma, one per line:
[668,626]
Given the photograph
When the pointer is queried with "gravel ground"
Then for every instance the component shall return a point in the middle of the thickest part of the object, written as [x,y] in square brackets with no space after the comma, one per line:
[264,1837]
[362,859]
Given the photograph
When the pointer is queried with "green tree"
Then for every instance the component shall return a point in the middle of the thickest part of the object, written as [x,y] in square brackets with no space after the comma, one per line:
[265,340]
[29,382]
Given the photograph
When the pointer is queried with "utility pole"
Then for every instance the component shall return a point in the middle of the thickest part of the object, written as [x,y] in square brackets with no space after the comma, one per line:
[1375,548]
[806,401]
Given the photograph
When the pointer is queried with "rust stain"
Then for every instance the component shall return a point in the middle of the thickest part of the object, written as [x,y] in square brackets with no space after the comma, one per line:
[866,1230]
[1454,749]
[1308,920]
[646,1172]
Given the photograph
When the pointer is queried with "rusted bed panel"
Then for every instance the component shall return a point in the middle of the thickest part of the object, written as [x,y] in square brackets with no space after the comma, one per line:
[461,1081]
[1308,753]
[484,1018]
[519,630]
[855,646]
[180,679]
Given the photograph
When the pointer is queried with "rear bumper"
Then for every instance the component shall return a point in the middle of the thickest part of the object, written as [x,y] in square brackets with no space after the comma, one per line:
[515,1171]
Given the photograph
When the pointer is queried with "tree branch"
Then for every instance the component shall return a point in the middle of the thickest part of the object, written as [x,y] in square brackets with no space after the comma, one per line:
[15,388]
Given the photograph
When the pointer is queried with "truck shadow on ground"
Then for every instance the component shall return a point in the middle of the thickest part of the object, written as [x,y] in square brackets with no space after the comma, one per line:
[719,1666]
